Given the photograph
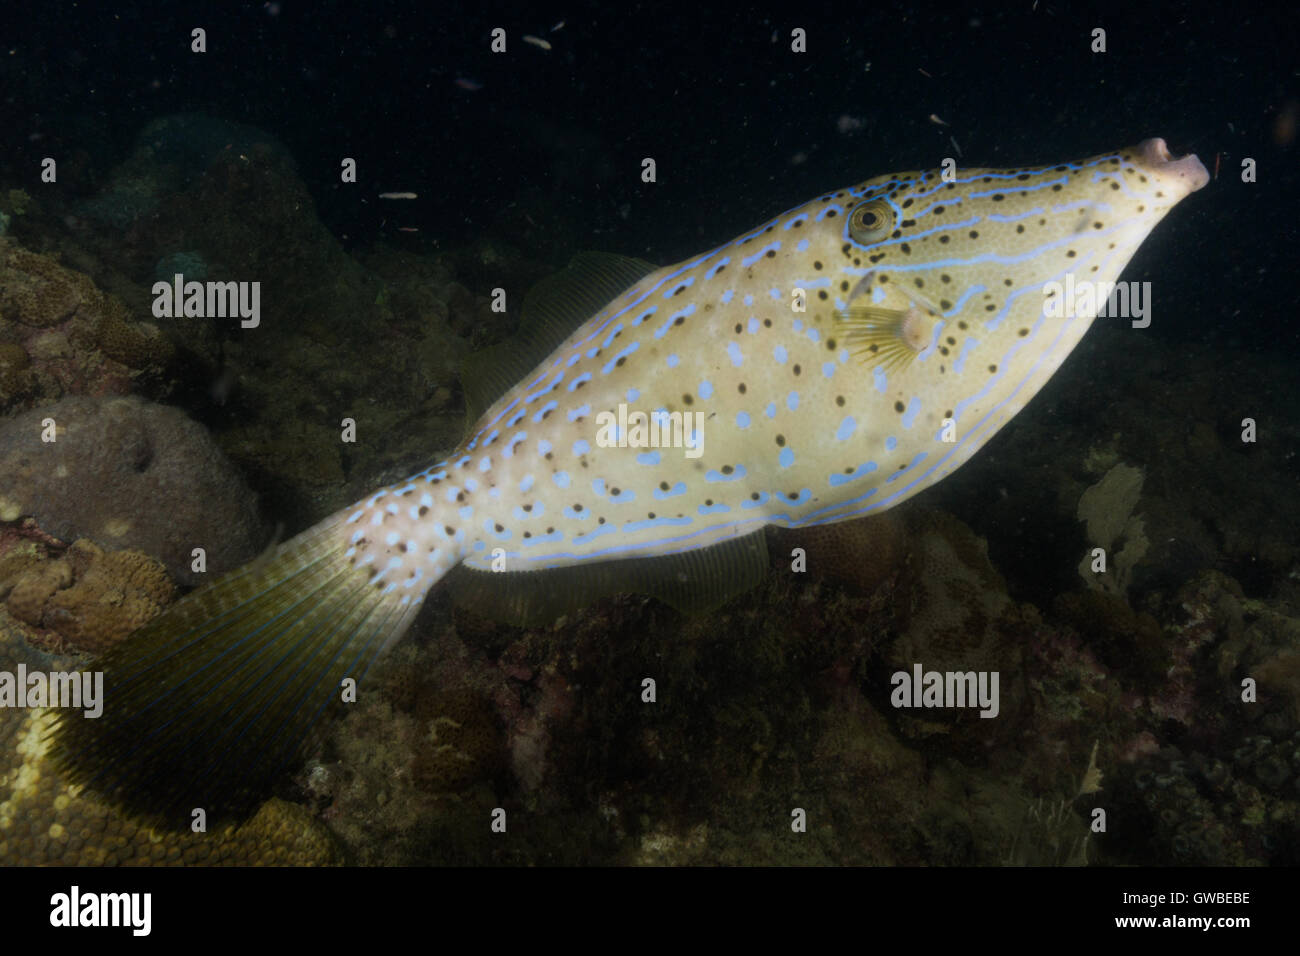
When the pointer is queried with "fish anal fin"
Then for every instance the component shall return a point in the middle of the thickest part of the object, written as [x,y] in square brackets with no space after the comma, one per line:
[692,582]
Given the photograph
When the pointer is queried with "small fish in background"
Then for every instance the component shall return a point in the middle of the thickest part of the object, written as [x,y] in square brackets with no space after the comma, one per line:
[470,86]
[398,196]
[829,363]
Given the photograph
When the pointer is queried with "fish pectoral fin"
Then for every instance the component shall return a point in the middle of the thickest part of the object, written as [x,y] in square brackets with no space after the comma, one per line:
[552,310]
[888,338]
[692,582]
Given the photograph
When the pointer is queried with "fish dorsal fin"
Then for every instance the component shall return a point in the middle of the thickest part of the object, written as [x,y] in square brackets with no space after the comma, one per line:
[692,582]
[552,310]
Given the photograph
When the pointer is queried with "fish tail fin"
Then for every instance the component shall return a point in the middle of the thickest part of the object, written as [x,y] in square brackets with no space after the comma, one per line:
[205,705]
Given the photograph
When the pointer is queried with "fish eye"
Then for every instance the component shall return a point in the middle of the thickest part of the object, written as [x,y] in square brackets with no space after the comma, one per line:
[871,221]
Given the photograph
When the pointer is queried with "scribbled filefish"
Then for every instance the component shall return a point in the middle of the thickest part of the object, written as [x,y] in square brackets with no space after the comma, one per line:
[828,364]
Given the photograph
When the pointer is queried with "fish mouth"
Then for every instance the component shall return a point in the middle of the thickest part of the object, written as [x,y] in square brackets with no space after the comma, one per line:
[1186,174]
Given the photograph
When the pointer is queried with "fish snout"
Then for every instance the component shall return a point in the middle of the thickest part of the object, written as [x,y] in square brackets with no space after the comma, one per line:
[1186,175]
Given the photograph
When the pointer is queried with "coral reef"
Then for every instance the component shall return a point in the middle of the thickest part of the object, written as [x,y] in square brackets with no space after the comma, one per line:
[128,474]
[60,335]
[89,598]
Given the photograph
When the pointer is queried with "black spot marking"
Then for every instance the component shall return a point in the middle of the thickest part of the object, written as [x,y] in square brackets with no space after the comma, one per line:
[780,441]
[899,407]
[839,400]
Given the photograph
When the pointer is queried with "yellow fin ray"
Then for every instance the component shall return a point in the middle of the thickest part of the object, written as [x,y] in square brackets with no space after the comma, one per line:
[888,338]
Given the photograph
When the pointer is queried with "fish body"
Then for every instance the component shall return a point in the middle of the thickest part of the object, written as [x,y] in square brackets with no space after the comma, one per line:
[829,363]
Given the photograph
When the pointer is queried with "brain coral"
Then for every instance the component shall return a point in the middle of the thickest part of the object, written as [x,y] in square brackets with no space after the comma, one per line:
[91,598]
[128,474]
